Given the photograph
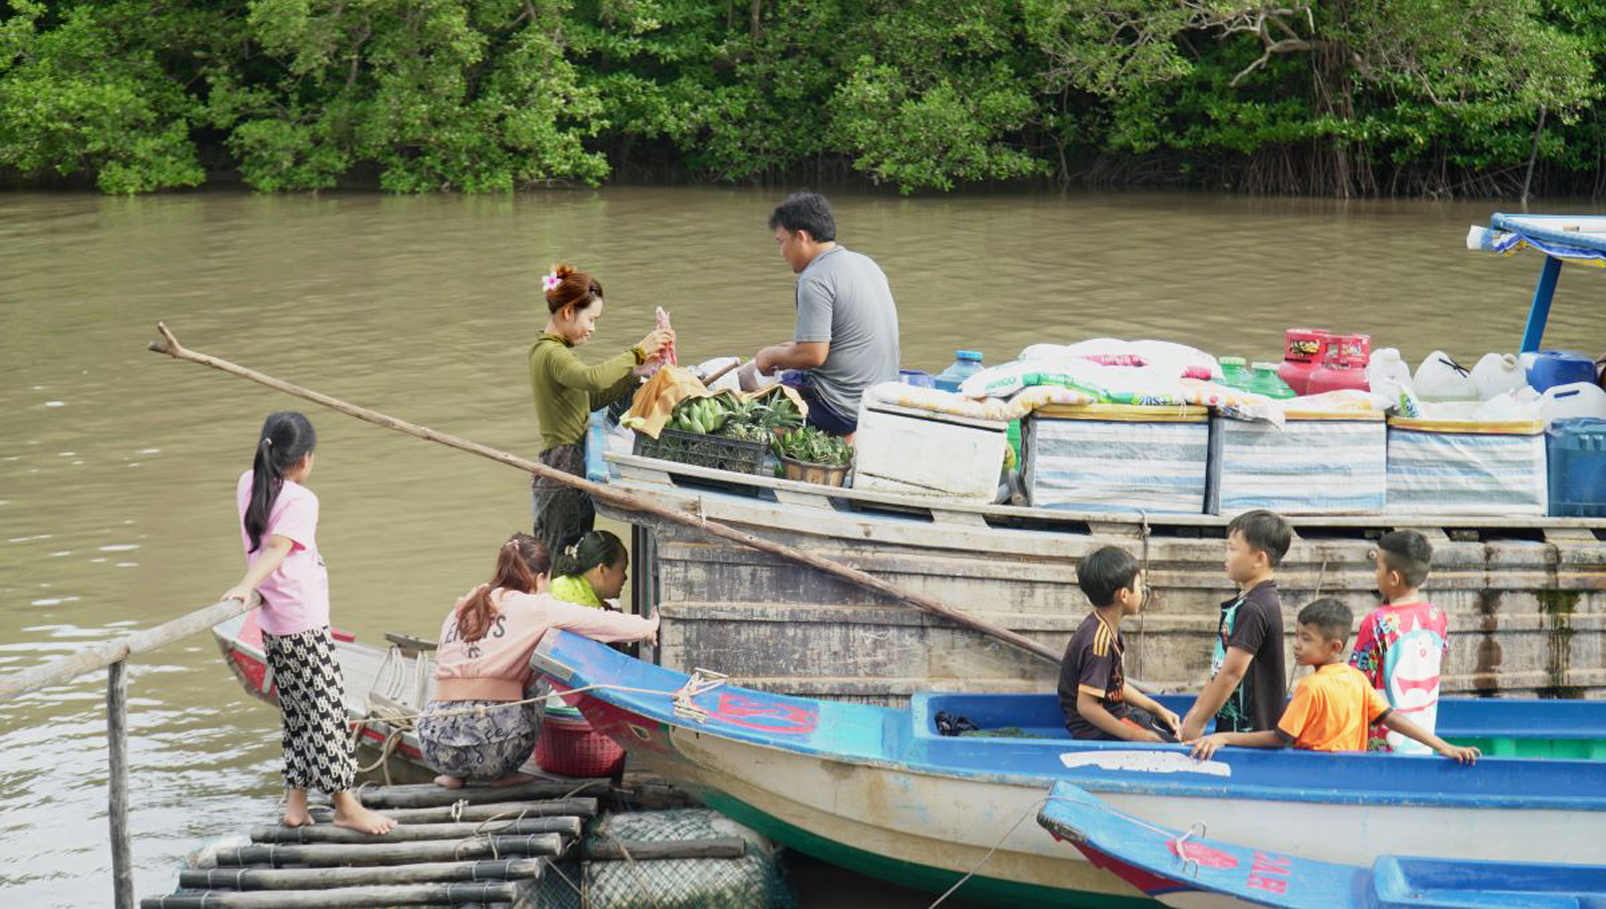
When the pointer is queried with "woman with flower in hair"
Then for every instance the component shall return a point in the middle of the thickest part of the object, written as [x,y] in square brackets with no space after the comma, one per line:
[566,391]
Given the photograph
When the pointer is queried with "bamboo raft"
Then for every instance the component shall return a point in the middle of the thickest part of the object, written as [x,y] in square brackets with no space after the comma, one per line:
[465,847]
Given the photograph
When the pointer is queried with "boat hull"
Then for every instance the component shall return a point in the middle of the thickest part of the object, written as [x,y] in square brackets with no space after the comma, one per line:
[868,788]
[1528,629]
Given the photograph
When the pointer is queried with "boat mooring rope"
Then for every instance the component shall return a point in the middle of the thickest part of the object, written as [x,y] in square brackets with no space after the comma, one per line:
[1175,840]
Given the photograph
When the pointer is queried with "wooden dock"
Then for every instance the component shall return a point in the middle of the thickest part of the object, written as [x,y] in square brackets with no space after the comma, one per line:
[464,847]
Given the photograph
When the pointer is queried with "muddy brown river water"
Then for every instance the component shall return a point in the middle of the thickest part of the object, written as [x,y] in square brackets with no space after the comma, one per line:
[117,466]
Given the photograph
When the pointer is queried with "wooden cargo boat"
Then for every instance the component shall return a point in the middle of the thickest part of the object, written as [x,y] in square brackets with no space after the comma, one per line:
[1526,595]
[878,790]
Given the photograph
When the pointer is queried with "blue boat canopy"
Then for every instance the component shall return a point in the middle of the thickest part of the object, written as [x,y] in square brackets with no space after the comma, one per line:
[1580,239]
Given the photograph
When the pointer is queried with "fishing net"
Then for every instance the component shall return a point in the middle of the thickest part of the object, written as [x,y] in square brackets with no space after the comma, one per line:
[753,881]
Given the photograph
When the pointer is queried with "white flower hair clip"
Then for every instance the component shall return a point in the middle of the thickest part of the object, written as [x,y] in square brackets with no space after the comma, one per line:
[572,550]
[550,281]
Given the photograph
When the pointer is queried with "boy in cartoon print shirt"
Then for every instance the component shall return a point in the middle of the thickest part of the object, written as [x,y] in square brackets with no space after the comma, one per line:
[1401,645]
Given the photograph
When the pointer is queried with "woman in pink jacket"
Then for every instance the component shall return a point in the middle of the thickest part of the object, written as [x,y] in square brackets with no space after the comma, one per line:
[483,661]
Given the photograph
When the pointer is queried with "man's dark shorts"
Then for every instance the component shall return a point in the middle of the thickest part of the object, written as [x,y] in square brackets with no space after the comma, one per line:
[821,415]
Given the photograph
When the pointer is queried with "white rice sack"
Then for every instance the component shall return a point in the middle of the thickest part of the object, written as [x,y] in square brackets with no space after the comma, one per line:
[1003,381]
[1178,360]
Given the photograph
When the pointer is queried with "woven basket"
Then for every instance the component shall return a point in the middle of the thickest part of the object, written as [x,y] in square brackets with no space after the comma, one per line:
[571,747]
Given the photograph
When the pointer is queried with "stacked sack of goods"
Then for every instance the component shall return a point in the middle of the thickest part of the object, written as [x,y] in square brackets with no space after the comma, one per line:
[1157,427]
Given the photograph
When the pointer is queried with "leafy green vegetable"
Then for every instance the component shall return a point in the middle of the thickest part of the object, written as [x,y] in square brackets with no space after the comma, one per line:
[813,446]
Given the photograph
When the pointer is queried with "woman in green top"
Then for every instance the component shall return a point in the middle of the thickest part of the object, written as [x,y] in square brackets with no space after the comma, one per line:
[590,569]
[566,391]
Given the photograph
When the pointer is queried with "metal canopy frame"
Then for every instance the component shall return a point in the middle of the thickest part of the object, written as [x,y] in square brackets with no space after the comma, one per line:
[1580,238]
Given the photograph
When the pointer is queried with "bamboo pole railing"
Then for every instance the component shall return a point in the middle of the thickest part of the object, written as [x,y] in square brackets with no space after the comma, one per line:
[113,656]
[170,346]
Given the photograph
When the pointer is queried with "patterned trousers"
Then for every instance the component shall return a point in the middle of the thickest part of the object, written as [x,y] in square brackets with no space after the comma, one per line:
[317,747]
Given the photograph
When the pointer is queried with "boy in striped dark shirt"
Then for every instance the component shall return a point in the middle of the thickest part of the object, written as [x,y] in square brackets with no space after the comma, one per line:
[1094,695]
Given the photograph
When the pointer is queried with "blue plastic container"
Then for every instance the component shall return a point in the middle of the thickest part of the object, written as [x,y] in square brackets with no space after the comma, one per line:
[1576,449]
[919,378]
[1560,367]
[596,444]
[966,364]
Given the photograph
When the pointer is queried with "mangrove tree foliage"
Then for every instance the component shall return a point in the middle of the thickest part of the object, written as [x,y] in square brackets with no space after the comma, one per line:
[1342,97]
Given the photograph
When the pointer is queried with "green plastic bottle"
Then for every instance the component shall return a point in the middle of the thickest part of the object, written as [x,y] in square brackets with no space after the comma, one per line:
[1265,381]
[1235,373]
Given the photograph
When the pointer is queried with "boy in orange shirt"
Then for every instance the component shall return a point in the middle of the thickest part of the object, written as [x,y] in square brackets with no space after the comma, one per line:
[1333,707]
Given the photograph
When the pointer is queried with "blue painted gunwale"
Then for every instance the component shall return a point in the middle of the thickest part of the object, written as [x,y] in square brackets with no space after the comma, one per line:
[888,738]
[1147,856]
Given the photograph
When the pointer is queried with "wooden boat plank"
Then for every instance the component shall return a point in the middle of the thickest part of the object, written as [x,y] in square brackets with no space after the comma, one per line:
[655,466]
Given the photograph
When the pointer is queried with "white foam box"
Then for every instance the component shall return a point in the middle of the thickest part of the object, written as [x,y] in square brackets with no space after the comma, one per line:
[918,452]
[1441,467]
[1315,463]
[1115,457]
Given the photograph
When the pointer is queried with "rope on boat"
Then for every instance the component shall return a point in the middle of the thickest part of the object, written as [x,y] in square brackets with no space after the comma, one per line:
[701,682]
[1176,841]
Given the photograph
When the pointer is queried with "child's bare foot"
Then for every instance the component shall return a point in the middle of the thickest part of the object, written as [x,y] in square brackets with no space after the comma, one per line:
[350,813]
[449,782]
[512,779]
[295,809]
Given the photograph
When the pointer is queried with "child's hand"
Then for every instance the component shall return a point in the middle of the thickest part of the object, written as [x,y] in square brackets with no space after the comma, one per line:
[1172,720]
[1203,748]
[1464,755]
[1191,728]
[238,592]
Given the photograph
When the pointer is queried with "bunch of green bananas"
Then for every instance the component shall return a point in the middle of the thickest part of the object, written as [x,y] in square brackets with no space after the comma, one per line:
[736,417]
[704,416]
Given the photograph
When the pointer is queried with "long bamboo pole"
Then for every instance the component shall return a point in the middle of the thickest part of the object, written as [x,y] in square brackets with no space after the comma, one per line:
[104,654]
[170,345]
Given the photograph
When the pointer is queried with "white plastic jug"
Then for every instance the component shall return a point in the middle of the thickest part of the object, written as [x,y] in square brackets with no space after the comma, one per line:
[1440,378]
[1389,376]
[1386,365]
[1579,399]
[1518,404]
[1497,373]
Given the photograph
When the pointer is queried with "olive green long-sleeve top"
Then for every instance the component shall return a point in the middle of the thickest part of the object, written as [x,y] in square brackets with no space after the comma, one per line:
[567,390]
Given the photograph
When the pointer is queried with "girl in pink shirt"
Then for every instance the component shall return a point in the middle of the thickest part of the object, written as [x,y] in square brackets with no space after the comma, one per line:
[278,526]
[475,727]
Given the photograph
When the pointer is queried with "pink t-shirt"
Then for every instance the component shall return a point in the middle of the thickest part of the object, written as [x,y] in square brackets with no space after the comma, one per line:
[295,597]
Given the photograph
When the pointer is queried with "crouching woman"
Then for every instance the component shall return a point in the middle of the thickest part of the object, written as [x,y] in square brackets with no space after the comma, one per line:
[478,726]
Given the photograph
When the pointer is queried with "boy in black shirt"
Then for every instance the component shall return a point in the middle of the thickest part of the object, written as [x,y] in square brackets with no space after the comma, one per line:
[1247,682]
[1094,695]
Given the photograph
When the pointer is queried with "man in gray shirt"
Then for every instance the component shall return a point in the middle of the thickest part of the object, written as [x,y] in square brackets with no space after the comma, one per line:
[847,325]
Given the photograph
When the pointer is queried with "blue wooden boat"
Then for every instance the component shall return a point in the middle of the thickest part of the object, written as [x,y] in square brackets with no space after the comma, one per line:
[1184,868]
[879,790]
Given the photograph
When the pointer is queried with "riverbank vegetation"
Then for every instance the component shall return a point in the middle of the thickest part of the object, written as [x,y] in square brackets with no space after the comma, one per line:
[1324,97]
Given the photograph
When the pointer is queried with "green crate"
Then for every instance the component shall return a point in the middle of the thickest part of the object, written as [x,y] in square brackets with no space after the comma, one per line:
[698,450]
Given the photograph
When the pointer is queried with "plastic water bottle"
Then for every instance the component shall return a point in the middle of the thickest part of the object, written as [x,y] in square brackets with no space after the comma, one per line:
[1235,372]
[966,364]
[1265,381]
